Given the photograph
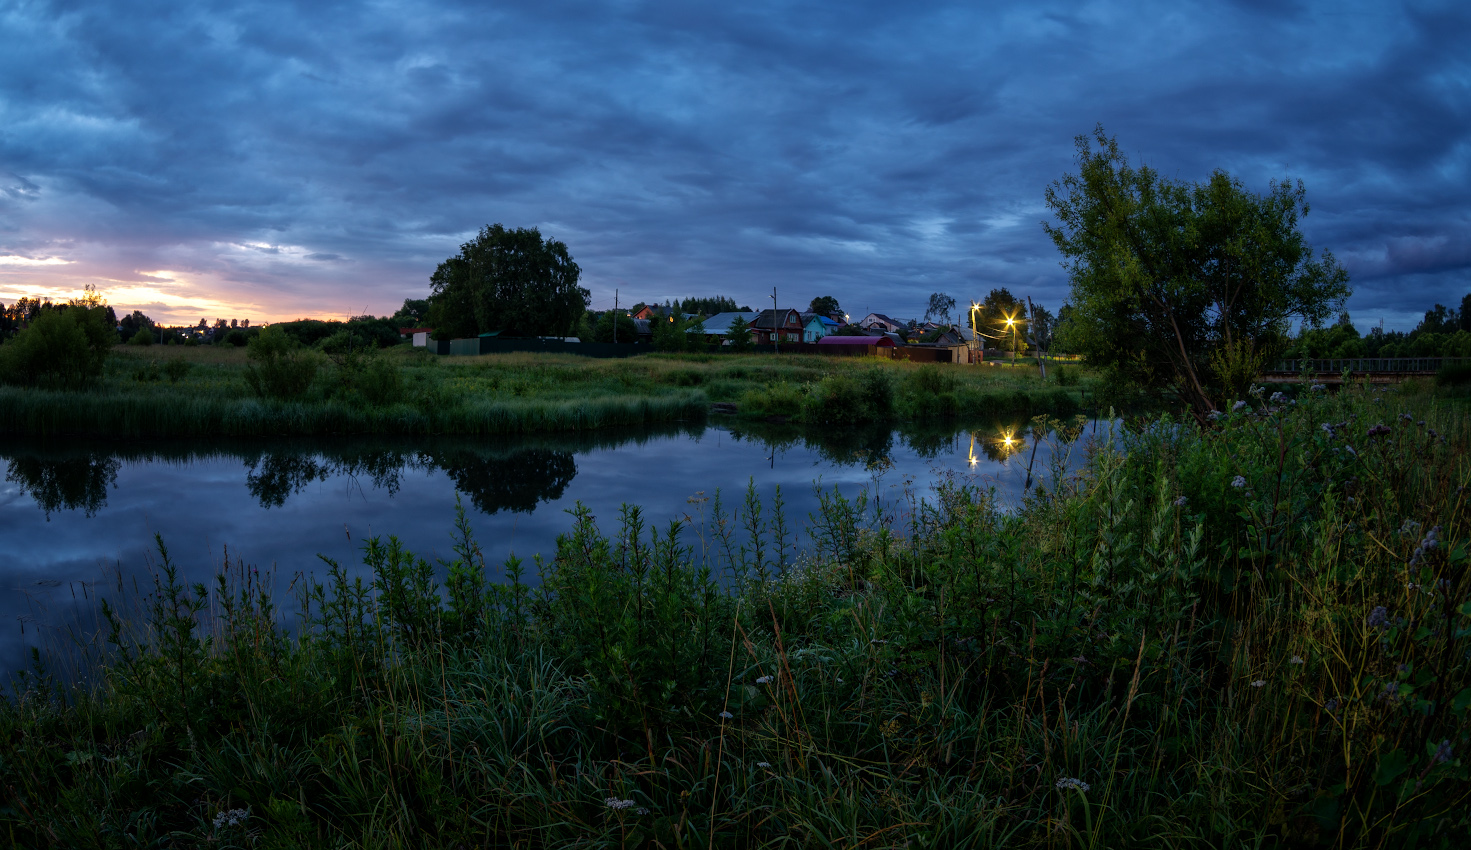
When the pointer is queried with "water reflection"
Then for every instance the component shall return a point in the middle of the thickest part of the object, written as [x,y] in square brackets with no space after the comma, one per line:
[495,475]
[66,480]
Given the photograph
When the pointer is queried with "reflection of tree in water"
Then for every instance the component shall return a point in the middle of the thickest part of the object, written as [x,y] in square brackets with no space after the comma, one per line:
[1000,445]
[66,483]
[494,482]
[273,477]
[514,482]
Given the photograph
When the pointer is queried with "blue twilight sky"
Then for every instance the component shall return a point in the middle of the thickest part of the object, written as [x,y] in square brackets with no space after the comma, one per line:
[276,159]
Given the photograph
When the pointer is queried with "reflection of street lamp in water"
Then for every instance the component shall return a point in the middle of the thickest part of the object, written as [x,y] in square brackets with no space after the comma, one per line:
[972,449]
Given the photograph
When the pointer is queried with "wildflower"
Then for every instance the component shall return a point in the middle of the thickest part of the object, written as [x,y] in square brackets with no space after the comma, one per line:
[763,764]
[1407,417]
[1080,659]
[1379,618]
[1428,545]
[763,680]
[1317,388]
[1180,502]
[1327,428]
[1331,705]
[840,681]
[1259,683]
[725,715]
[617,804]
[1277,398]
[1391,691]
[1296,659]
[1238,482]
[233,817]
[1379,429]
[1237,407]
[1067,782]
[1350,451]
[1257,390]
[1443,752]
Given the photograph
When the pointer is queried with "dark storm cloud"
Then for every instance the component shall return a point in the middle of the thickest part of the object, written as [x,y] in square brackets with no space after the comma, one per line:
[329,153]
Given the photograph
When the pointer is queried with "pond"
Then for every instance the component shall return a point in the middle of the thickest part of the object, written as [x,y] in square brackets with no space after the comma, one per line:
[79,521]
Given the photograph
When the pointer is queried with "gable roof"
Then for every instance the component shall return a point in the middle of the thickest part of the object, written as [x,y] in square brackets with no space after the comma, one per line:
[720,322]
[776,319]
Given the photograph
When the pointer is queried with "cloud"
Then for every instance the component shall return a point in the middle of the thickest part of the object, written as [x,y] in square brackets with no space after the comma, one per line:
[305,158]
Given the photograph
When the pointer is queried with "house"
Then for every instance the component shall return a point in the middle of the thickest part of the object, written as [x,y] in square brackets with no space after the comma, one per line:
[718,326]
[777,326]
[816,326]
[646,313]
[645,330]
[420,335]
[878,321]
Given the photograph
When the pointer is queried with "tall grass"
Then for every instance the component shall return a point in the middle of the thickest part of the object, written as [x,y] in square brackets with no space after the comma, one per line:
[1253,635]
[174,391]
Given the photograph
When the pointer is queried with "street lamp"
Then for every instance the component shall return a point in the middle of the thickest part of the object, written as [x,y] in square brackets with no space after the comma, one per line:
[1011,323]
[975,334]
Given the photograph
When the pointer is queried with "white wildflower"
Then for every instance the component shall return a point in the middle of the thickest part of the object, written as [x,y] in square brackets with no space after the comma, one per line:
[1296,659]
[617,804]
[763,680]
[1068,782]
[763,764]
[725,715]
[233,817]
[1259,683]
[1238,407]
[1238,482]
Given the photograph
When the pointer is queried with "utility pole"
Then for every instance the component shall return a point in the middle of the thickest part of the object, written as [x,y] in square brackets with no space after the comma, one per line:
[775,334]
[615,315]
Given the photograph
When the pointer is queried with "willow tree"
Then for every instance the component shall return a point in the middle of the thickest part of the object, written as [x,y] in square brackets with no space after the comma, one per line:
[1184,288]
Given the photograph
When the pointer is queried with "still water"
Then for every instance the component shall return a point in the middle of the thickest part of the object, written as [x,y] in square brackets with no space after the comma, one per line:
[78,521]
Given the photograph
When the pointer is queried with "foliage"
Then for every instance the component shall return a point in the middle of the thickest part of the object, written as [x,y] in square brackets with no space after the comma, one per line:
[710,306]
[1143,653]
[413,314]
[825,305]
[280,368]
[1166,272]
[510,281]
[63,347]
[675,333]
[738,334]
[144,336]
[604,331]
[940,307]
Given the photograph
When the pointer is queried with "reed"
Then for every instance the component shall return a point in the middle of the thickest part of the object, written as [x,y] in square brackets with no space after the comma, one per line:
[178,391]
[1255,634]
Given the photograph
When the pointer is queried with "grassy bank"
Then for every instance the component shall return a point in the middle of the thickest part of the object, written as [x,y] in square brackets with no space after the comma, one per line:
[177,391]
[1256,635]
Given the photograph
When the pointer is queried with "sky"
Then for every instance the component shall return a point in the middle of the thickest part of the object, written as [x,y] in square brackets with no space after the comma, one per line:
[273,160]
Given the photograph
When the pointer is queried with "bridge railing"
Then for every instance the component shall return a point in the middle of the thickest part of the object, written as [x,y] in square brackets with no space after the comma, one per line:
[1367,364]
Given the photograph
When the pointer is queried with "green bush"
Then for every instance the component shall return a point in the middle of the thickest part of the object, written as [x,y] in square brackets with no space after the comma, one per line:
[64,347]
[279,367]
[144,336]
[176,369]
[380,381]
[237,337]
[837,400]
[778,399]
[1453,375]
[1064,376]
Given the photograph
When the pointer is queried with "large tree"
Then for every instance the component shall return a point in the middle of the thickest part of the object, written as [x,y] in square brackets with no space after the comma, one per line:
[1183,287]
[510,281]
[824,305]
[939,307]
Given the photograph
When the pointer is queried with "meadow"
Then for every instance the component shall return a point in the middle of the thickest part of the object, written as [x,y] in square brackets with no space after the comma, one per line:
[179,391]
[1256,633]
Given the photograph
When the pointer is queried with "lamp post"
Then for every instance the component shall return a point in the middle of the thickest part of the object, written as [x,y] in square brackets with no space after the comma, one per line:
[975,335]
[1011,323]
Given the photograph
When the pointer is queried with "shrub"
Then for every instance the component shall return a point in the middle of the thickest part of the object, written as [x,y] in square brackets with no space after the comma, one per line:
[144,336]
[176,369]
[279,368]
[237,337]
[838,399]
[779,399]
[63,347]
[1453,375]
[380,382]
[1063,376]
